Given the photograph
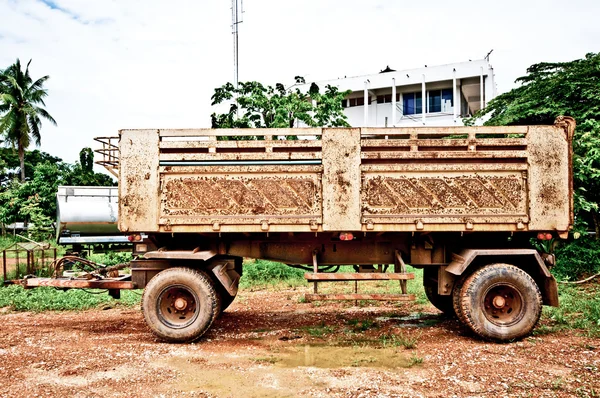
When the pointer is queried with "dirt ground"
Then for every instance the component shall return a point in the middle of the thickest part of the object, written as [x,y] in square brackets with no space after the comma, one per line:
[269,344]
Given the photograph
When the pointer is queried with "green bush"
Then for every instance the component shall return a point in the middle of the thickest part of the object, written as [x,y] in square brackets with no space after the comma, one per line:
[111,258]
[577,258]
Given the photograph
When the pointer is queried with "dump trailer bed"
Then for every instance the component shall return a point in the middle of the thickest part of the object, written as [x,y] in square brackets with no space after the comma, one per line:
[462,179]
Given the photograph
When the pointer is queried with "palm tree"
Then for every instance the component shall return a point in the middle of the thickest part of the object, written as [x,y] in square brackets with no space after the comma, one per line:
[21,109]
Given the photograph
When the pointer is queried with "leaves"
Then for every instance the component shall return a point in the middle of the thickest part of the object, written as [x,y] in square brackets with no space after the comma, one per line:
[21,111]
[259,106]
[34,200]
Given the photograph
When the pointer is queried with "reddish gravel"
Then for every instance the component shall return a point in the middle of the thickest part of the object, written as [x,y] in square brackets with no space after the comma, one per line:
[269,344]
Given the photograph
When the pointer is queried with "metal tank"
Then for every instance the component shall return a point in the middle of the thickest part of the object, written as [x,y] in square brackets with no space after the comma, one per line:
[87,215]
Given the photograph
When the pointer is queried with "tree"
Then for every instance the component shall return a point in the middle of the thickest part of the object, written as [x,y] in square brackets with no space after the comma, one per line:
[82,173]
[562,88]
[34,200]
[259,106]
[10,159]
[21,103]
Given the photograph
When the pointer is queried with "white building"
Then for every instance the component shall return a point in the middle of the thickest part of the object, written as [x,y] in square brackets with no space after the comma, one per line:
[395,98]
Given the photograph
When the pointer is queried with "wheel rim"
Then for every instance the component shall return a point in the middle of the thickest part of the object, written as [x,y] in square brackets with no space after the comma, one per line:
[177,306]
[503,305]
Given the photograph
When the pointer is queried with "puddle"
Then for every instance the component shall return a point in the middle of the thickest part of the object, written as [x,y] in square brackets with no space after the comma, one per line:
[342,357]
[415,319]
[281,373]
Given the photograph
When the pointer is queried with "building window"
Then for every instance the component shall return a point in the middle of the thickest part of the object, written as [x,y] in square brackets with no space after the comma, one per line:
[440,100]
[387,98]
[412,103]
[350,102]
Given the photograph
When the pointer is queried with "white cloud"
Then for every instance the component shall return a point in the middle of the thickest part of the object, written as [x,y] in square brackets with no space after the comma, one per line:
[151,63]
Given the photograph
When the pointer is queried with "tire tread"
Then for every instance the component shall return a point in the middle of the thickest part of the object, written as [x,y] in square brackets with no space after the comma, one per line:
[475,279]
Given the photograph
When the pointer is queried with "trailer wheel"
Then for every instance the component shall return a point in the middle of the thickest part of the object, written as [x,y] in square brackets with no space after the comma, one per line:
[180,304]
[456,296]
[501,302]
[442,303]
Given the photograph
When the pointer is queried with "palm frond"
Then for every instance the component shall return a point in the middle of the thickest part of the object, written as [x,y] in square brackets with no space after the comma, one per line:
[34,128]
[38,84]
[44,113]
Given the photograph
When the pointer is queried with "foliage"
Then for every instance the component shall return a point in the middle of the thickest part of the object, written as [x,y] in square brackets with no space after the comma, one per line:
[579,257]
[34,201]
[254,105]
[562,88]
[111,258]
[82,173]
[9,159]
[21,109]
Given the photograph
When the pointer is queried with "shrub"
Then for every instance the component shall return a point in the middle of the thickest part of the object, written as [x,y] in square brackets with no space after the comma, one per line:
[577,258]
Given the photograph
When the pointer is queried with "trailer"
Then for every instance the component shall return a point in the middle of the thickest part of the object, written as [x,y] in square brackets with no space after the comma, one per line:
[462,203]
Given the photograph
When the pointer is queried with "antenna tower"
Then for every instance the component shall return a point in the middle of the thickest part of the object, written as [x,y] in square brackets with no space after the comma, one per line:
[237,9]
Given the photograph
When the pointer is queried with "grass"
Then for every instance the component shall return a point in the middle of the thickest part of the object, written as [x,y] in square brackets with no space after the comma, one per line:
[415,360]
[401,339]
[263,273]
[359,326]
[318,330]
[47,298]
[579,309]
[40,299]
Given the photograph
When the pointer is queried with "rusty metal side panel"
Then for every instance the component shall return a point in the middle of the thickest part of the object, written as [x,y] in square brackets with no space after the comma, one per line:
[549,179]
[138,180]
[341,179]
[446,197]
[209,197]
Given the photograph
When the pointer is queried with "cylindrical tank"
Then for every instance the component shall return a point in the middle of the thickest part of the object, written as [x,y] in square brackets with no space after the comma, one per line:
[87,211]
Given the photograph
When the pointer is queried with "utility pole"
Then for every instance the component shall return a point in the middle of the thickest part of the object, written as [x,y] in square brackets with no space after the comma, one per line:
[237,9]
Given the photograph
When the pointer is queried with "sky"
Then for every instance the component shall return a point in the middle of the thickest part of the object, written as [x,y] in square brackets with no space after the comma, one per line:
[117,64]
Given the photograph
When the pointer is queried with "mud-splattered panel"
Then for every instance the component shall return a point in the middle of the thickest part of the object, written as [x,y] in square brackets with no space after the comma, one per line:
[138,180]
[444,194]
[240,196]
[551,195]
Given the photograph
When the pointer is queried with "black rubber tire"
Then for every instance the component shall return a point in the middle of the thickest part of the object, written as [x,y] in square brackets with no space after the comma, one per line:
[202,299]
[442,303]
[456,296]
[517,310]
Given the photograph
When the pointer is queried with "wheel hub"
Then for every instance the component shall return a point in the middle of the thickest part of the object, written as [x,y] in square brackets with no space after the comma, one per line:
[177,306]
[499,302]
[503,305]
[180,304]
